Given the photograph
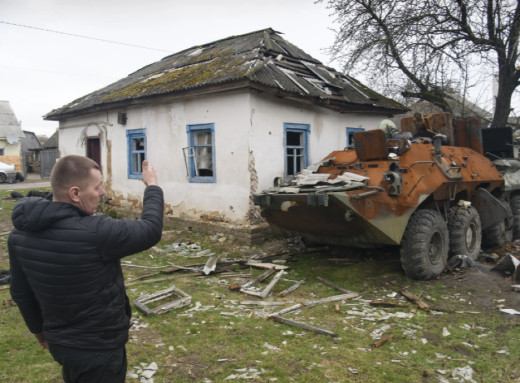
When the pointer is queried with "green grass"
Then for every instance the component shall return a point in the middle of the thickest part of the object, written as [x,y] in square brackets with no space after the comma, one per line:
[224,338]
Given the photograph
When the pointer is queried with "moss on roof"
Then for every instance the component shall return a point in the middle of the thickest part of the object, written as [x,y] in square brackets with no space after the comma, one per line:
[214,67]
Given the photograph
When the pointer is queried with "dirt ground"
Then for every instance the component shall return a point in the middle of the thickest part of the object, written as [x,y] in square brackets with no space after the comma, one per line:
[490,289]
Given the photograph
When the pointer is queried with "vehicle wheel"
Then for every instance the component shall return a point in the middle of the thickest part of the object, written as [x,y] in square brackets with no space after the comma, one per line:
[3,178]
[515,208]
[500,233]
[465,231]
[424,247]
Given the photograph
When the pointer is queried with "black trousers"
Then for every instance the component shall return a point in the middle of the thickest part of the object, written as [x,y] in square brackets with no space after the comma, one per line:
[90,366]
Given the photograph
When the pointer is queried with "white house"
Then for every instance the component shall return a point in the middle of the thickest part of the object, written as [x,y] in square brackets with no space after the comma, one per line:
[11,135]
[220,122]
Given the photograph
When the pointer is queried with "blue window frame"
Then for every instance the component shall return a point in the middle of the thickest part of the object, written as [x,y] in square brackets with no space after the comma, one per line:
[296,143]
[136,140]
[350,133]
[200,153]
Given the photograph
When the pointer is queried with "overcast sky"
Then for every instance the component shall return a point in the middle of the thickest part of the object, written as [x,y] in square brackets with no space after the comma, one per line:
[41,70]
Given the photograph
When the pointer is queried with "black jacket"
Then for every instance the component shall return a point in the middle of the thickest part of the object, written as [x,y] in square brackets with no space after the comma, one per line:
[66,273]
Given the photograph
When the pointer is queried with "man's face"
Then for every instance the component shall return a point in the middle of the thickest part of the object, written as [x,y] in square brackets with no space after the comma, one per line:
[90,196]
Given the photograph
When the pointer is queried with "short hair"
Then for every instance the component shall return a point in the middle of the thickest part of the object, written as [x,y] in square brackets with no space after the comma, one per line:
[70,171]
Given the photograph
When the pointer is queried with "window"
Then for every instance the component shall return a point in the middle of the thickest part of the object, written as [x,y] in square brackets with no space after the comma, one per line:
[200,154]
[136,152]
[350,133]
[1,151]
[296,148]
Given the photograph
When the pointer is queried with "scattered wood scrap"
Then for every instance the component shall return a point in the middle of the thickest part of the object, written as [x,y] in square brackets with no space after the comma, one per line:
[417,301]
[386,304]
[302,325]
[312,303]
[260,278]
[330,284]
[383,340]
[291,288]
[135,282]
[263,265]
[263,303]
[277,315]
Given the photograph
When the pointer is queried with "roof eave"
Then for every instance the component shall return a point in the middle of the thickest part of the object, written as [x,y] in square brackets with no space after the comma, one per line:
[337,104]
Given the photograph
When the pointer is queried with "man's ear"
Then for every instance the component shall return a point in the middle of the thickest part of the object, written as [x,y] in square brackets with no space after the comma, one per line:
[74,193]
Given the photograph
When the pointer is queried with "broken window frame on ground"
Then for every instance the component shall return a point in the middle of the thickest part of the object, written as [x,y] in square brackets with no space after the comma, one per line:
[183,300]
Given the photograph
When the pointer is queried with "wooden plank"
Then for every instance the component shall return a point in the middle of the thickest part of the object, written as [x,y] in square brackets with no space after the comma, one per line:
[305,326]
[291,288]
[263,303]
[314,303]
[259,279]
[262,265]
[386,304]
[417,301]
[383,340]
[163,279]
[330,284]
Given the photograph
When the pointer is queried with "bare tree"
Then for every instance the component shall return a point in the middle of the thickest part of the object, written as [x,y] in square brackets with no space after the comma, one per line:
[429,48]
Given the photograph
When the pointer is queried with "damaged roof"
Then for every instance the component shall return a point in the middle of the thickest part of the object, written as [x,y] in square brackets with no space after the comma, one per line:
[261,60]
[9,124]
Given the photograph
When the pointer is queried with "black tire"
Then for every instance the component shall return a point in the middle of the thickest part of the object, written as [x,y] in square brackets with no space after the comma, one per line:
[515,208]
[500,233]
[465,231]
[424,247]
[3,178]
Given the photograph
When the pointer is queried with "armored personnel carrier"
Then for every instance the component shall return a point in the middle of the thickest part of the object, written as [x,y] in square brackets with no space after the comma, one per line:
[409,189]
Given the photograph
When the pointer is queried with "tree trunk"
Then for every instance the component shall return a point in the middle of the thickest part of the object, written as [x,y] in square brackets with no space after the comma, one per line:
[506,88]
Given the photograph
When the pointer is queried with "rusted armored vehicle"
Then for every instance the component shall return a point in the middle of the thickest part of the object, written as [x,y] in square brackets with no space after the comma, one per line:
[410,190]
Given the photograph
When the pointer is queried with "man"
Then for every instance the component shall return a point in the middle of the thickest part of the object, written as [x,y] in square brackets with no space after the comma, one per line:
[66,276]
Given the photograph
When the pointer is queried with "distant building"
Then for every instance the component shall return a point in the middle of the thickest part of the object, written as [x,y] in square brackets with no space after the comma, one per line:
[50,154]
[10,137]
[31,150]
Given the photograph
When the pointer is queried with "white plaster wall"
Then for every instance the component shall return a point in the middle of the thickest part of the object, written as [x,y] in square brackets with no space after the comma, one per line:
[328,132]
[248,127]
[166,135]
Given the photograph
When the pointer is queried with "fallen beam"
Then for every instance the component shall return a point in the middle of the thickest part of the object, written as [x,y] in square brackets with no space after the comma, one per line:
[330,284]
[305,326]
[291,288]
[314,303]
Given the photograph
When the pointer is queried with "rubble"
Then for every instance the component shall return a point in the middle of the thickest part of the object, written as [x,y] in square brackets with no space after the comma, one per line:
[391,305]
